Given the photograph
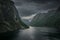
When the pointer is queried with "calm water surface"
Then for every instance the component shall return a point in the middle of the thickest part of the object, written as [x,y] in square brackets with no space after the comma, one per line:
[33,33]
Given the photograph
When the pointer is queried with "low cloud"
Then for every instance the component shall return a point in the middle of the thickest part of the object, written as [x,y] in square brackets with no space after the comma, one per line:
[27,8]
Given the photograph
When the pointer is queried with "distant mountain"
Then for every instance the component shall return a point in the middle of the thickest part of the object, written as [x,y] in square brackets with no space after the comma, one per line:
[26,21]
[51,19]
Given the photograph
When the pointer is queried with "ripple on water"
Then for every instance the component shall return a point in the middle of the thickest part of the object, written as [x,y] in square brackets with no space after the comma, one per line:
[35,33]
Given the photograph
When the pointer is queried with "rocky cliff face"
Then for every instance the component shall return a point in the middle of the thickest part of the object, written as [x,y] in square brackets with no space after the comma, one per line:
[9,18]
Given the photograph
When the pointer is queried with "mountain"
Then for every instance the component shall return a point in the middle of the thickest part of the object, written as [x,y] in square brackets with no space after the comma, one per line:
[9,17]
[50,19]
[26,21]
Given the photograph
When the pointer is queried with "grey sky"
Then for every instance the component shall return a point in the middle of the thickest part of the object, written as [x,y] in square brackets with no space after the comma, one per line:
[28,8]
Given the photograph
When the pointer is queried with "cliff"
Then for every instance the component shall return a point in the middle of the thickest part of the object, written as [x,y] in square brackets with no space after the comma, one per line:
[9,17]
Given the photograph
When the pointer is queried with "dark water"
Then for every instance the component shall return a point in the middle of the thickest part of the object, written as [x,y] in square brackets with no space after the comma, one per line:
[33,33]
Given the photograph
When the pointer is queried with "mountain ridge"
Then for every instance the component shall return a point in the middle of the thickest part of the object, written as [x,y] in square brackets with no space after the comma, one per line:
[47,19]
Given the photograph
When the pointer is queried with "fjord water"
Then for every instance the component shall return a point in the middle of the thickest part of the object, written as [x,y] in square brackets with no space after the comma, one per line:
[33,33]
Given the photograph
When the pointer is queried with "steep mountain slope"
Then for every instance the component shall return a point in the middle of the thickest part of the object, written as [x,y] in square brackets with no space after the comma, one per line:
[9,18]
[50,19]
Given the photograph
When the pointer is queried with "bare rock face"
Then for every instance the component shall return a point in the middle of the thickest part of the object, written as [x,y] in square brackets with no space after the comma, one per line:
[9,18]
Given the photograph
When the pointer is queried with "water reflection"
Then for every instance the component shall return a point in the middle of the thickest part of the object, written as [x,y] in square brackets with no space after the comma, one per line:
[34,33]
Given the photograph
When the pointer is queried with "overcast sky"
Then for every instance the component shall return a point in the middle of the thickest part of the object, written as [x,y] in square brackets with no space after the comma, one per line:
[28,8]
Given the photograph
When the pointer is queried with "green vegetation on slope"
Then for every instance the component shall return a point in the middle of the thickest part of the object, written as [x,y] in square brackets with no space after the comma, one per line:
[50,19]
